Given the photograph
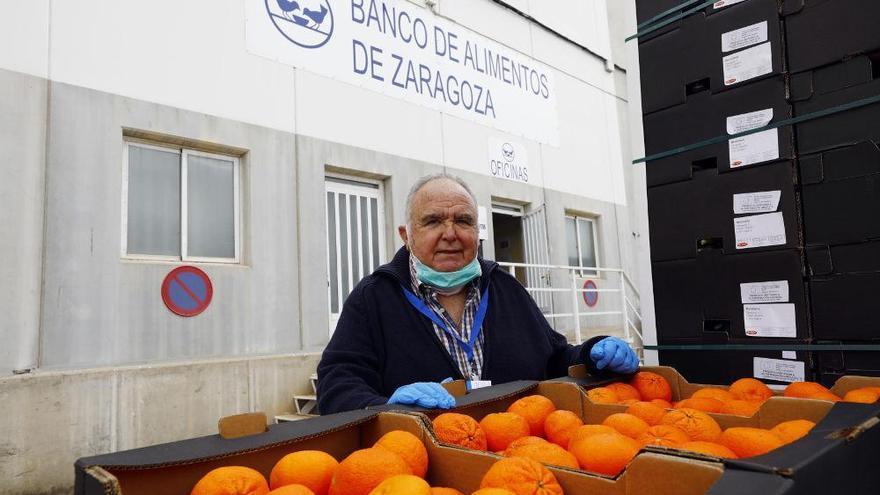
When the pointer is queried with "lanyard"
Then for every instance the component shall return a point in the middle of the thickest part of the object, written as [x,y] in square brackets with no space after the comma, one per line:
[466,345]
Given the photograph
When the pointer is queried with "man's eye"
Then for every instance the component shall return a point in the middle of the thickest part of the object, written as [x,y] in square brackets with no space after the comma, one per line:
[465,221]
[432,221]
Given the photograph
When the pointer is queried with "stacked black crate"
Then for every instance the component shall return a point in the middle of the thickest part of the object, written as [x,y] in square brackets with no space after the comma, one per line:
[834,59]
[724,218]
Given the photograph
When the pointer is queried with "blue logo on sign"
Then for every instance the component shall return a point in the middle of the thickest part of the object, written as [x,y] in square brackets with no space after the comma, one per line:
[306,23]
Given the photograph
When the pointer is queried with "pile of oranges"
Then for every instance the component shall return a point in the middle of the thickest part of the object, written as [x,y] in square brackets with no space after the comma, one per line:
[395,465]
[743,398]
[533,428]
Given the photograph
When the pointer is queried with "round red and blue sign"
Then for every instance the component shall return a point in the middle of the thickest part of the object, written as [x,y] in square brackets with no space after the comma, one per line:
[187,291]
[591,298]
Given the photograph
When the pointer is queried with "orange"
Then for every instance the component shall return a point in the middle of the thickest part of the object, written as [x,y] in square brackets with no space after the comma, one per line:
[649,412]
[663,436]
[748,442]
[602,395]
[665,404]
[519,442]
[546,453]
[705,404]
[292,490]
[535,409]
[625,391]
[708,448]
[560,425]
[437,490]
[605,453]
[459,429]
[310,468]
[789,431]
[862,395]
[824,396]
[713,393]
[409,448]
[403,484]
[365,469]
[628,424]
[804,390]
[696,424]
[590,430]
[750,389]
[522,477]
[503,428]
[493,491]
[651,386]
[231,480]
[740,407]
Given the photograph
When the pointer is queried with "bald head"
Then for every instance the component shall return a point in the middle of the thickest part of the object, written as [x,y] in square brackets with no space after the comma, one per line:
[441,228]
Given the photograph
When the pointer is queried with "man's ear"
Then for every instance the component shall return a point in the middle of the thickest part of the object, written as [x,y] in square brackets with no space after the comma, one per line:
[401,231]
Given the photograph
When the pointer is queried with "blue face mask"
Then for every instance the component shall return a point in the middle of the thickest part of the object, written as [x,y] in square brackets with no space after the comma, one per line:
[447,283]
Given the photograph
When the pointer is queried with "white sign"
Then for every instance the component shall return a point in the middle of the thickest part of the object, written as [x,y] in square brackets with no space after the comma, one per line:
[789,355]
[741,38]
[756,202]
[748,64]
[401,50]
[779,370]
[748,121]
[759,230]
[755,148]
[764,292]
[508,160]
[724,3]
[482,222]
[770,320]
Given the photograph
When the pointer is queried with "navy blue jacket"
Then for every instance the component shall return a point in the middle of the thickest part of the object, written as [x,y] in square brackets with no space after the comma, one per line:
[381,342]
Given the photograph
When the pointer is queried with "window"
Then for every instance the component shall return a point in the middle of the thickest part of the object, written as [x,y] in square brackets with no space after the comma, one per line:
[582,241]
[180,204]
[355,236]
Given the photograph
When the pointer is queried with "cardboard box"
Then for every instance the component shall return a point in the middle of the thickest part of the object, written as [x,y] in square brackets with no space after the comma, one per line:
[821,32]
[840,188]
[701,300]
[828,87]
[833,366]
[706,116]
[844,282]
[710,53]
[173,469]
[688,216]
[716,366]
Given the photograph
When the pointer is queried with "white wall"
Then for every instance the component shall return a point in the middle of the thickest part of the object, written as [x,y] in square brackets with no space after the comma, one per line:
[191,55]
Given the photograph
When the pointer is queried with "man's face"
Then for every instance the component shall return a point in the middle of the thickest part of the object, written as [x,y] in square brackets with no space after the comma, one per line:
[444,226]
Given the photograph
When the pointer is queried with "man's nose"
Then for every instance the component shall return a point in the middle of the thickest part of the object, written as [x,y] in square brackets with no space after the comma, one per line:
[449,233]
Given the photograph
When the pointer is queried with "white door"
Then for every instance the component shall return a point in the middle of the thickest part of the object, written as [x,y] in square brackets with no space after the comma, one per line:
[538,253]
[355,236]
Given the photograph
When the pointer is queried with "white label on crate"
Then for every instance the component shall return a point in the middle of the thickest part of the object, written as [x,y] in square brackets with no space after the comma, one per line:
[764,292]
[779,370]
[755,148]
[748,64]
[789,355]
[770,320]
[759,230]
[756,202]
[743,37]
[748,121]
[724,3]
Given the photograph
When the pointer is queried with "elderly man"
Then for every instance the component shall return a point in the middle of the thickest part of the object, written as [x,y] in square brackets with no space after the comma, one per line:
[436,311]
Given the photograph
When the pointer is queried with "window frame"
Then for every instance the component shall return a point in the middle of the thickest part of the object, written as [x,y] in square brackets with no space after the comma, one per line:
[594,221]
[183,153]
[352,184]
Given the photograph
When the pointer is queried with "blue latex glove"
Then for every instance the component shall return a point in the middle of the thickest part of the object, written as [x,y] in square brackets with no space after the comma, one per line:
[615,355]
[429,395]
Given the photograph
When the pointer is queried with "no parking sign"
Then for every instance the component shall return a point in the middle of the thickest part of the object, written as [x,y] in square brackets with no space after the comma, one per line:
[187,291]
[590,298]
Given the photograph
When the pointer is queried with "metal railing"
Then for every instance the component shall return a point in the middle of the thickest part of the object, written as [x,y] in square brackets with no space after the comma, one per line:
[627,300]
